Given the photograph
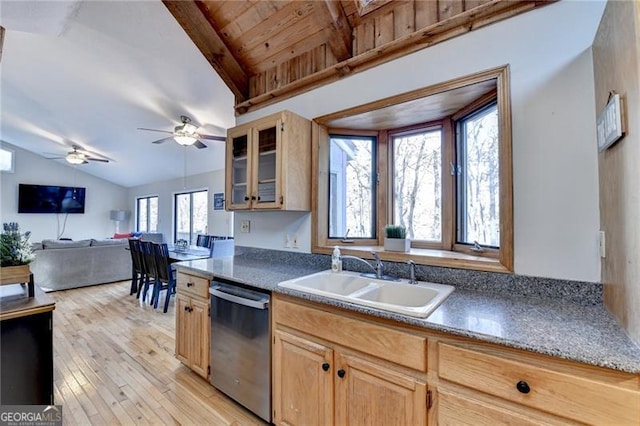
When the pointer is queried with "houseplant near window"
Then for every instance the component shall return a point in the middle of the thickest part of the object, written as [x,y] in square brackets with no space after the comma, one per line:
[395,238]
[15,254]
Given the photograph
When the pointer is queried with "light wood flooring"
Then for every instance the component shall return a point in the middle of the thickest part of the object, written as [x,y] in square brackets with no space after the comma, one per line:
[114,364]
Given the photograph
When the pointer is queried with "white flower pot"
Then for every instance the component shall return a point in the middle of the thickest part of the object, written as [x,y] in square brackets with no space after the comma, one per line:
[397,244]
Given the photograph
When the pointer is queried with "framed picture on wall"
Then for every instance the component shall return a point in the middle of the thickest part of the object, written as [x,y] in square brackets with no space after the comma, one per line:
[218,201]
[610,124]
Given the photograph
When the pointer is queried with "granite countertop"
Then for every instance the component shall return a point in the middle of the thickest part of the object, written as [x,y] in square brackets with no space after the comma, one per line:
[586,334]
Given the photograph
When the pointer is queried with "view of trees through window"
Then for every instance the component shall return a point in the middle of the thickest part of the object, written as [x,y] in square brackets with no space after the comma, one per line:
[147,211]
[191,215]
[352,187]
[478,179]
[417,184]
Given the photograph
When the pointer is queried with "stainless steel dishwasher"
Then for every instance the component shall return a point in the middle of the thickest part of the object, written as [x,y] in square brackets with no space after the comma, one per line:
[240,346]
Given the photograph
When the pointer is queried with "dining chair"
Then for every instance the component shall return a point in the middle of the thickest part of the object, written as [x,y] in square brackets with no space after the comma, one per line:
[137,268]
[149,266]
[165,276]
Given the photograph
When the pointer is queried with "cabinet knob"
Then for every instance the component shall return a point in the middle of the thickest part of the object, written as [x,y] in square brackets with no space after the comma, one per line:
[246,198]
[523,387]
[341,373]
[253,197]
[326,366]
[189,284]
[186,309]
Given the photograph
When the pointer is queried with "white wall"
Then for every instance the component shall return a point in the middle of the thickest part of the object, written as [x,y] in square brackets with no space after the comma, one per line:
[556,214]
[101,197]
[220,222]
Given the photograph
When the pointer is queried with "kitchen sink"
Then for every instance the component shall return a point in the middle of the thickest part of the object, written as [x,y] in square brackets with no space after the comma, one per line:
[417,300]
[329,283]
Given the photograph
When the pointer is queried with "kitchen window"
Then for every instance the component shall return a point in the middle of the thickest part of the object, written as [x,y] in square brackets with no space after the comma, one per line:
[190,215]
[147,214]
[437,160]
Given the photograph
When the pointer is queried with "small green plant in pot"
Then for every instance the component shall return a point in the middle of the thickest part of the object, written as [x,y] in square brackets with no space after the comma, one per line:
[395,238]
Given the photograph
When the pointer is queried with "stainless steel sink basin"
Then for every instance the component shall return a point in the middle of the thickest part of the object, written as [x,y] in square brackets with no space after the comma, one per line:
[417,300]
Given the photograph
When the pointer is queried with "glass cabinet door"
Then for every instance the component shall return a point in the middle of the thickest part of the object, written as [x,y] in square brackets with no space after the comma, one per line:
[239,171]
[266,143]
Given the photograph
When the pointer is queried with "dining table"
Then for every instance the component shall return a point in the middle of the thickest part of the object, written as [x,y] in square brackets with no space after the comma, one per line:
[177,254]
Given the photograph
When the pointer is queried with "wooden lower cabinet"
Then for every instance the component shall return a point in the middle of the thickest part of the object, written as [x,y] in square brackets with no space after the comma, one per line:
[332,366]
[368,394]
[193,333]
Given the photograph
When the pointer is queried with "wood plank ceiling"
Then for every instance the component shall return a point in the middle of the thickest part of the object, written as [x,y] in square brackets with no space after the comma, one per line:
[268,50]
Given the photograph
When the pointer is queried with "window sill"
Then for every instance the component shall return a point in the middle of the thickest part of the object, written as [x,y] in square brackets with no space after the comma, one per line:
[430,257]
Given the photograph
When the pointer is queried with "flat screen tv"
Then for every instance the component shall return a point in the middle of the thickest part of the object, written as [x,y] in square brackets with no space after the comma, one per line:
[50,199]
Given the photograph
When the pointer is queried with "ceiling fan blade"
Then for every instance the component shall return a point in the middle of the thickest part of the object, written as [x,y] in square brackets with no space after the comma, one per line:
[155,130]
[199,145]
[212,137]
[102,160]
[163,140]
[57,157]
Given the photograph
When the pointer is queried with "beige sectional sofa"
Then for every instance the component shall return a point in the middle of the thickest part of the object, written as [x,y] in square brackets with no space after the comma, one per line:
[61,265]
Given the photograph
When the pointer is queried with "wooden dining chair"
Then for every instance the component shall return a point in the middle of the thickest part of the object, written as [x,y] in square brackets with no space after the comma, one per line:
[165,276]
[203,240]
[149,267]
[137,269]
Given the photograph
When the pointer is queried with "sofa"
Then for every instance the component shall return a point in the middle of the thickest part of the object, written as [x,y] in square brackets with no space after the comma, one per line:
[61,265]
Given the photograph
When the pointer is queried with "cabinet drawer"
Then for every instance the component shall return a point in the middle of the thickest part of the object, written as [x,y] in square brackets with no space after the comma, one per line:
[578,397]
[192,285]
[383,342]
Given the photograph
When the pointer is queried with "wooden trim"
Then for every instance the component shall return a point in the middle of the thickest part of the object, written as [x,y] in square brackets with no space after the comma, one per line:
[338,32]
[26,312]
[193,17]
[384,205]
[478,103]
[448,186]
[1,41]
[475,18]
[506,170]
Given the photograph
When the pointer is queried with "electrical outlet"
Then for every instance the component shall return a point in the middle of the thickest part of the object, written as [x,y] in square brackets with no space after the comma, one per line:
[603,251]
[245,226]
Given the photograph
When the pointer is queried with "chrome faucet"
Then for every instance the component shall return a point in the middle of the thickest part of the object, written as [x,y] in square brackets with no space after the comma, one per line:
[412,271]
[378,269]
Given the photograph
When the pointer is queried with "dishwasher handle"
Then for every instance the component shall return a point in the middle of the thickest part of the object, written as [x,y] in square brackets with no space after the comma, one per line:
[258,304]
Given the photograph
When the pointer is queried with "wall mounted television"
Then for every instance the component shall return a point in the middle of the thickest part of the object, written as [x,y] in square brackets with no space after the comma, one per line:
[50,199]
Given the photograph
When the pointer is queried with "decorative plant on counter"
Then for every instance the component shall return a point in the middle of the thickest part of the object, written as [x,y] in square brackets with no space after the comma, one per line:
[15,248]
[395,231]
[395,238]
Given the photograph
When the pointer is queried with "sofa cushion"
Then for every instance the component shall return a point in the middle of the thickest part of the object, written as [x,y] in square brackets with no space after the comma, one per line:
[108,242]
[53,244]
[127,235]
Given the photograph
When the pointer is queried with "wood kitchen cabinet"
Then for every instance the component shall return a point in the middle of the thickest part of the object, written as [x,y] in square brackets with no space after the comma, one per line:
[341,386]
[382,372]
[192,322]
[268,164]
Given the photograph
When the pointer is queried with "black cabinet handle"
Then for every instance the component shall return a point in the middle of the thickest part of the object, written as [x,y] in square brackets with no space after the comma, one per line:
[326,366]
[186,309]
[246,198]
[189,284]
[341,373]
[523,387]
[253,197]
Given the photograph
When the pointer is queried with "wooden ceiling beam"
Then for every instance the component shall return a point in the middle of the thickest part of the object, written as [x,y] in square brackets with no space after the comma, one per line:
[193,20]
[336,28]
[1,41]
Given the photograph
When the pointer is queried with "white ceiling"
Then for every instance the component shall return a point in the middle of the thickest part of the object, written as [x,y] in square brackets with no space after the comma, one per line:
[91,72]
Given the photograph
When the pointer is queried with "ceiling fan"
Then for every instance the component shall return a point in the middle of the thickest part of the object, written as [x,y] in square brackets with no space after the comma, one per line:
[77,156]
[186,134]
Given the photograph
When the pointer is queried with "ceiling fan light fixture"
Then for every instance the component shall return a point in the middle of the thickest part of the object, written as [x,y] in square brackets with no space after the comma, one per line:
[75,158]
[189,128]
[185,140]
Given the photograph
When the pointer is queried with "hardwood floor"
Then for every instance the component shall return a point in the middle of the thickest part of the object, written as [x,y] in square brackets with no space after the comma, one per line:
[114,364]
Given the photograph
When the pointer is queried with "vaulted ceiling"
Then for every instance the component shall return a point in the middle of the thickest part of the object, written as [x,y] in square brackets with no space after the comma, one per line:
[268,50]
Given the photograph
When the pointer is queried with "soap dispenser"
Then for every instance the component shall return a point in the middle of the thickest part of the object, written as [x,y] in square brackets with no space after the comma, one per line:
[336,261]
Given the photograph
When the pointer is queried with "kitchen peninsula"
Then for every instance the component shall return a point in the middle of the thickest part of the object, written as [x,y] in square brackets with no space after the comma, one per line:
[543,359]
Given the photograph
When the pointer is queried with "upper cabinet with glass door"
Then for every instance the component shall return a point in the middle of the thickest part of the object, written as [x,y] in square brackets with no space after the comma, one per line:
[268,164]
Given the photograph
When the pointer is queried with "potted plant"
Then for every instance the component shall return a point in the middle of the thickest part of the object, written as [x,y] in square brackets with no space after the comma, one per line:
[15,254]
[395,238]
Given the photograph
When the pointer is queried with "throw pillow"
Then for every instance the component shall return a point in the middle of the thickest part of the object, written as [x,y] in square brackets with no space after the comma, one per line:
[127,235]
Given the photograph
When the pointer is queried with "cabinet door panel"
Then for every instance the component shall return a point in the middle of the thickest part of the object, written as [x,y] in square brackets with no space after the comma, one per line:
[302,389]
[370,394]
[453,410]
[199,333]
[267,140]
[238,162]
[182,336]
